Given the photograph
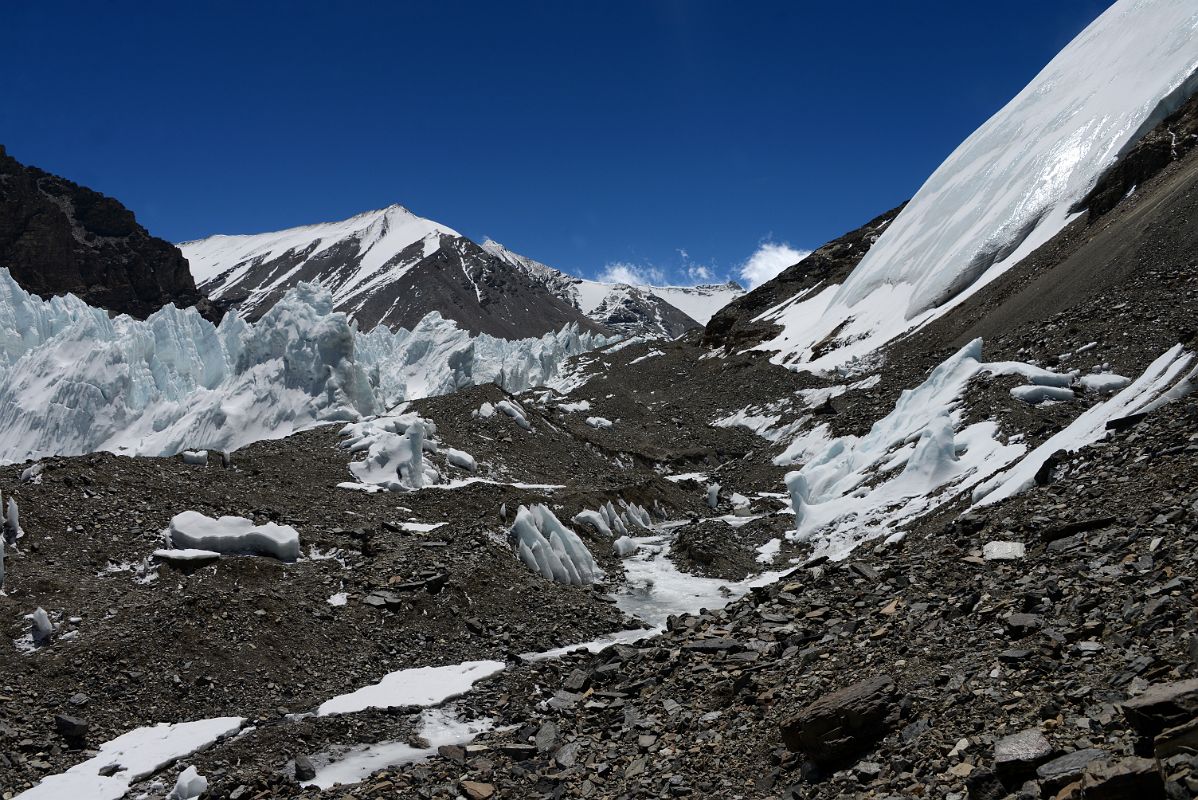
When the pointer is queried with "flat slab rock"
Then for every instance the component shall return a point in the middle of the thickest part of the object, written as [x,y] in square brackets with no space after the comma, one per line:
[1017,756]
[1162,706]
[1127,779]
[841,725]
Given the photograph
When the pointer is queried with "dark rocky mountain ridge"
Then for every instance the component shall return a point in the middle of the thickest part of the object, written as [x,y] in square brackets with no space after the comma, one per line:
[58,237]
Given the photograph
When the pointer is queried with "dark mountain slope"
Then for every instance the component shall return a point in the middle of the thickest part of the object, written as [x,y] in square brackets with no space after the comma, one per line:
[58,237]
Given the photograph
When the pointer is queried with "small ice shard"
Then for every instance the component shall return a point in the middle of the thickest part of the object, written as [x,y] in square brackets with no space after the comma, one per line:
[12,523]
[1003,551]
[1103,383]
[191,529]
[1034,395]
[624,546]
[713,495]
[460,459]
[189,785]
[197,457]
[514,411]
[594,519]
[40,627]
[599,422]
[32,473]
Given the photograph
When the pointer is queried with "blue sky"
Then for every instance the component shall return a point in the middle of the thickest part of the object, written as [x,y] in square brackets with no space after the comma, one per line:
[670,138]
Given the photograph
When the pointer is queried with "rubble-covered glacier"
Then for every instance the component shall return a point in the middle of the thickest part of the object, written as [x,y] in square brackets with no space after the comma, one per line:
[73,380]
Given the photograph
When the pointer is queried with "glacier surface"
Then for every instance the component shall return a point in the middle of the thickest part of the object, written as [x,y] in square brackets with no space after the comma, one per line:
[73,380]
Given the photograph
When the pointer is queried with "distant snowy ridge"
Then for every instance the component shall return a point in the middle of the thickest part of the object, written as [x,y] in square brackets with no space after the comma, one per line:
[72,380]
[699,303]
[1009,187]
[388,267]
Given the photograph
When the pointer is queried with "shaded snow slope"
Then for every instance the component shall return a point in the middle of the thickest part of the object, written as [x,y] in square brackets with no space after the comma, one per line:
[1009,187]
[72,380]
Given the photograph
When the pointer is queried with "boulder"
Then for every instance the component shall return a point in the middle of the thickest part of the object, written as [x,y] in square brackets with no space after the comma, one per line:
[845,723]
[1126,779]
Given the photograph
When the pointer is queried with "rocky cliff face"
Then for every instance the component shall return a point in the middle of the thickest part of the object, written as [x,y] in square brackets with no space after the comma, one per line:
[58,237]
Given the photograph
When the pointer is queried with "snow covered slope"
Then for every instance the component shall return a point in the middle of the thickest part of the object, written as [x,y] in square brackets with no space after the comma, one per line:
[387,267]
[72,380]
[697,302]
[1009,187]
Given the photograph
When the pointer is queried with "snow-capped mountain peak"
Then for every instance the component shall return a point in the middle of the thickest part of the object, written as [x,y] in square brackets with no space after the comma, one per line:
[386,267]
[391,267]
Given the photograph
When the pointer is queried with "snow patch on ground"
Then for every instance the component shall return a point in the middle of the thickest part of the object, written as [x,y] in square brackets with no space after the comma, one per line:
[417,686]
[437,728]
[139,753]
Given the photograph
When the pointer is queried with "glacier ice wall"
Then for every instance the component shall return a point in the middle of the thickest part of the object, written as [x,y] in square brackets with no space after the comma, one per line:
[73,380]
[1010,186]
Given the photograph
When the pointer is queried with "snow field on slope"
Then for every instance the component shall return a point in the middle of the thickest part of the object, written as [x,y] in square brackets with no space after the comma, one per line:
[74,381]
[1009,187]
[700,303]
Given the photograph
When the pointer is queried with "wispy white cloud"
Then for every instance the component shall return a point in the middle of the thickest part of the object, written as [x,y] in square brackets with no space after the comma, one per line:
[767,261]
[622,272]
